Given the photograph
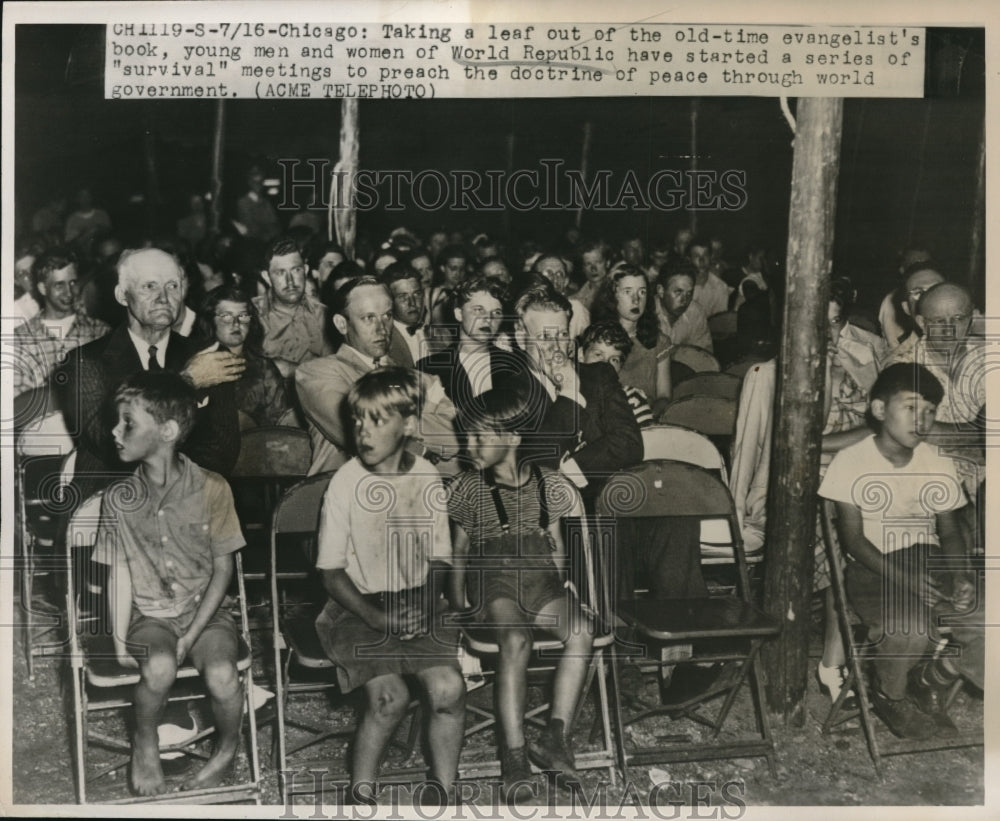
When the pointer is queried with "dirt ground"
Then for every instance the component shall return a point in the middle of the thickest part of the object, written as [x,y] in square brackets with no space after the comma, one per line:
[812,768]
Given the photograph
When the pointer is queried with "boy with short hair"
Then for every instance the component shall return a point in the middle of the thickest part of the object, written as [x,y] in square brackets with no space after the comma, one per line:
[383,548]
[609,342]
[897,505]
[168,532]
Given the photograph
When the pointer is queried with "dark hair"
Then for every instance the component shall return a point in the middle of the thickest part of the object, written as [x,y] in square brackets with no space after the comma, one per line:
[587,246]
[487,285]
[907,377]
[701,242]
[320,250]
[383,390]
[397,272]
[49,262]
[205,328]
[279,248]
[165,395]
[842,292]
[669,271]
[610,333]
[499,410]
[605,306]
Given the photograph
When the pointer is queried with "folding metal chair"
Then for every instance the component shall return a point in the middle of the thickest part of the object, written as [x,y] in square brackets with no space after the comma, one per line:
[301,666]
[709,383]
[101,685]
[720,628]
[590,564]
[697,359]
[710,415]
[859,650]
[43,448]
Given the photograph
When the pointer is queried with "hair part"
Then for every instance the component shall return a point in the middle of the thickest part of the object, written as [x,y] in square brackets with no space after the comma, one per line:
[386,390]
[907,377]
[166,396]
[610,333]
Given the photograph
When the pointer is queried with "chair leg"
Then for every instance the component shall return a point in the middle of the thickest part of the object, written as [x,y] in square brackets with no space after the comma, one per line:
[80,726]
[619,722]
[602,689]
[27,591]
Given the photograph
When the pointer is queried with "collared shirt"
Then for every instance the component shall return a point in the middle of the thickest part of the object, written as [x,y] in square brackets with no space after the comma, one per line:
[477,367]
[585,296]
[690,328]
[416,342]
[293,334]
[142,348]
[41,350]
[713,296]
[168,536]
[187,323]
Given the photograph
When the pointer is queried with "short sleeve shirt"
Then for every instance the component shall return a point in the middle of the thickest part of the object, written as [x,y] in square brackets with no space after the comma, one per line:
[169,537]
[898,505]
[470,503]
[384,529]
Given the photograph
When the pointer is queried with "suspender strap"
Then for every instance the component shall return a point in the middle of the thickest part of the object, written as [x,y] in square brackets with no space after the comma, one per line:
[543,519]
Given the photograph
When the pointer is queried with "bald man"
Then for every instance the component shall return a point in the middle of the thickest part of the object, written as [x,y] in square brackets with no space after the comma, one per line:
[151,286]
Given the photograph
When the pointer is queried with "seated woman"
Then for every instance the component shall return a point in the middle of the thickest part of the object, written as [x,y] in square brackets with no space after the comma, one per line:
[623,297]
[228,321]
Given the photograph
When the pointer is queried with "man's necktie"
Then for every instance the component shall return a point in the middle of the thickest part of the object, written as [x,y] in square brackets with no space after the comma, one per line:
[412,330]
[154,363]
[377,361]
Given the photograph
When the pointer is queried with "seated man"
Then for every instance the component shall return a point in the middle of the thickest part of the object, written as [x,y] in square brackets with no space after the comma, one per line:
[682,321]
[584,425]
[362,314]
[710,292]
[45,339]
[293,321]
[408,339]
[897,511]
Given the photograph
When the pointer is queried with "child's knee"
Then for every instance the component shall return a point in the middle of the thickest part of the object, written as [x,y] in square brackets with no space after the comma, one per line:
[389,699]
[580,640]
[159,670]
[445,689]
[514,641]
[221,678]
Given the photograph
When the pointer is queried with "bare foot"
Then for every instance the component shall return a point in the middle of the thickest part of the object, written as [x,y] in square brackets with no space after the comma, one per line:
[214,771]
[147,775]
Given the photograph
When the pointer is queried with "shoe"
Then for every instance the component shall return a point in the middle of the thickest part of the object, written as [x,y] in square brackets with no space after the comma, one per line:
[831,682]
[930,700]
[901,716]
[514,770]
[551,752]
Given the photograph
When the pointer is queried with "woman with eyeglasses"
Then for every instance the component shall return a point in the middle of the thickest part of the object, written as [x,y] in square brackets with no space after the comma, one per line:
[228,321]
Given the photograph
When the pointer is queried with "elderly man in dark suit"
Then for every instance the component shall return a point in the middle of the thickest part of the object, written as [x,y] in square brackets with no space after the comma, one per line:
[585,426]
[151,286]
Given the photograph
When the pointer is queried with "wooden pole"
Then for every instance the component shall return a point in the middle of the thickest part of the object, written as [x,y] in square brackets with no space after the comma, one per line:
[510,141]
[692,214]
[342,214]
[976,282]
[152,175]
[588,131]
[794,479]
[218,141]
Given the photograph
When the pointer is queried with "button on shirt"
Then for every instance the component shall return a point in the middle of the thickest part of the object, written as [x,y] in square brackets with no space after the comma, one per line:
[169,537]
[295,334]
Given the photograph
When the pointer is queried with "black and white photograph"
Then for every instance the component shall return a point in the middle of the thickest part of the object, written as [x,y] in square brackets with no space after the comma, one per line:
[526,411]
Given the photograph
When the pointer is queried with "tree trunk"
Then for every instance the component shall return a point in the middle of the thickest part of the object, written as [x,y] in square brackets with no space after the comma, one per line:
[342,213]
[976,279]
[218,141]
[692,213]
[794,478]
[588,129]
[152,175]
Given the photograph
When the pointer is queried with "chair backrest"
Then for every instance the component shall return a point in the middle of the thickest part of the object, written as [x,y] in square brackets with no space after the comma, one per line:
[273,452]
[681,445]
[710,383]
[31,405]
[665,487]
[710,415]
[697,359]
[46,436]
[722,325]
[590,546]
[296,514]
[81,535]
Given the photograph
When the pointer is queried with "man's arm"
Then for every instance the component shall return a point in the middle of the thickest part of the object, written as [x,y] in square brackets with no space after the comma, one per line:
[120,607]
[222,574]
[321,396]
[460,555]
[82,398]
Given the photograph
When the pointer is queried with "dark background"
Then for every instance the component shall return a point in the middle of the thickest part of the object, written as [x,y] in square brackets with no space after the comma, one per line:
[908,176]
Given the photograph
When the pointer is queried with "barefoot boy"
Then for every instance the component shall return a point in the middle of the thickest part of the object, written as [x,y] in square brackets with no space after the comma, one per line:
[168,533]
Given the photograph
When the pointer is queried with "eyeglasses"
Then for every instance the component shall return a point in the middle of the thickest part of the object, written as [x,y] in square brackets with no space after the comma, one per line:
[229,319]
[946,321]
[411,296]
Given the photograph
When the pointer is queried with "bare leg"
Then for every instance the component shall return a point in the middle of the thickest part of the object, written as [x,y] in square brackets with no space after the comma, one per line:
[512,666]
[214,655]
[575,630]
[446,696]
[387,699]
[833,645]
[158,668]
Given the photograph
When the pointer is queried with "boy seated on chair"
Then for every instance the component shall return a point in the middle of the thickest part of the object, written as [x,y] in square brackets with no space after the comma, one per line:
[169,532]
[384,549]
[609,342]
[897,505]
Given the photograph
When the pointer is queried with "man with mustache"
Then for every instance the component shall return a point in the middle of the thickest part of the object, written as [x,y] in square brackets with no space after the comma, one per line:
[293,321]
[362,313]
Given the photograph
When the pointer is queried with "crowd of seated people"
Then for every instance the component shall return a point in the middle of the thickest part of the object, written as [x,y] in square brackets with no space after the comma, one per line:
[555,354]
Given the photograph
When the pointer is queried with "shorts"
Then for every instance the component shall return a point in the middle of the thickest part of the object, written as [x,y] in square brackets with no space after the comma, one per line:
[178,625]
[532,589]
